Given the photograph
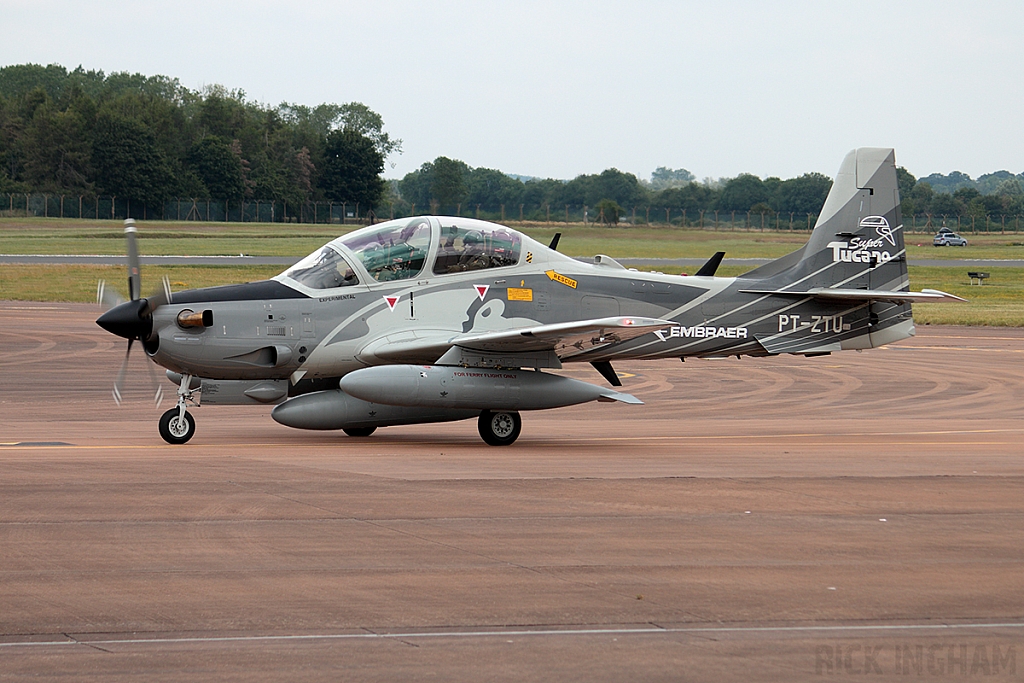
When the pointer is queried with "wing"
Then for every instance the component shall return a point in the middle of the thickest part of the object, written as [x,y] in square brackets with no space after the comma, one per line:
[924,296]
[566,339]
[536,346]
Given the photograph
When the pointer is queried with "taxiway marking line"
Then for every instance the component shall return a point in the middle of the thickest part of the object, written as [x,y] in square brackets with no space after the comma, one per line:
[654,630]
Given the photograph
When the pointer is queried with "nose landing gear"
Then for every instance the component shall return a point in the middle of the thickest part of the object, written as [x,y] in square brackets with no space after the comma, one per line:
[177,426]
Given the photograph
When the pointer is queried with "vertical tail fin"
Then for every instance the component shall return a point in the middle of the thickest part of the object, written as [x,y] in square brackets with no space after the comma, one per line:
[857,242]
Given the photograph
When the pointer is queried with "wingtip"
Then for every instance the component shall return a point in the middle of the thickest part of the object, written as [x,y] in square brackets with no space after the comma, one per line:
[944,295]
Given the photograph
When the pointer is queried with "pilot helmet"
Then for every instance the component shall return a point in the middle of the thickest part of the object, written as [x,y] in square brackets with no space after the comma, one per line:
[472,238]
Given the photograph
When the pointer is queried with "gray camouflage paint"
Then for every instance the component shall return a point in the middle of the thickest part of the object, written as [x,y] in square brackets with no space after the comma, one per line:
[310,334]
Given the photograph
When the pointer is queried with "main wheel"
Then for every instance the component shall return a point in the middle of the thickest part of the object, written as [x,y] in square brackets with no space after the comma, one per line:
[176,430]
[499,428]
[359,431]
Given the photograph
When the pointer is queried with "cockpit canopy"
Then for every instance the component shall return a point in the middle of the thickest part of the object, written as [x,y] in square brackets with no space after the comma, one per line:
[323,269]
[401,249]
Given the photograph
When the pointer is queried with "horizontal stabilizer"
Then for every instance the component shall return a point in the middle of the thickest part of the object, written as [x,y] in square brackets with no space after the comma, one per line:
[836,294]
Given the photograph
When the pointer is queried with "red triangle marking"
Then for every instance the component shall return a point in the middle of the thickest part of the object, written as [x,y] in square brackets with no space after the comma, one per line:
[391,300]
[481,291]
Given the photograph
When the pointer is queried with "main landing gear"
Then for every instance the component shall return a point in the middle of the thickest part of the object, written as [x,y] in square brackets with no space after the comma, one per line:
[499,428]
[176,425]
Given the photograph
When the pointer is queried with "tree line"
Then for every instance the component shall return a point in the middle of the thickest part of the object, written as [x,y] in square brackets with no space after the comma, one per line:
[149,139]
[448,185]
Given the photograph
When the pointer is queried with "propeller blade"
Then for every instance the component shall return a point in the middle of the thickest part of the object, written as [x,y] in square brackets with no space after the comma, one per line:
[159,297]
[134,279]
[158,389]
[107,297]
[119,383]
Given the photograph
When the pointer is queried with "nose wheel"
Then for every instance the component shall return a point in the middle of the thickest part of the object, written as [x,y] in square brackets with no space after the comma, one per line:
[499,428]
[177,426]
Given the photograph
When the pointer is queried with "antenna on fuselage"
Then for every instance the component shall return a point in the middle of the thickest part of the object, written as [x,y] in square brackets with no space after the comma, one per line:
[554,241]
[709,268]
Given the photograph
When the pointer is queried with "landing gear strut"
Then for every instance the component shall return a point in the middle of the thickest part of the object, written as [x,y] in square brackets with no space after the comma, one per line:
[499,428]
[176,425]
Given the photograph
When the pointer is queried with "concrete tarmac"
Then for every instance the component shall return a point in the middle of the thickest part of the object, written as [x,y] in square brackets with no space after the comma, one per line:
[858,515]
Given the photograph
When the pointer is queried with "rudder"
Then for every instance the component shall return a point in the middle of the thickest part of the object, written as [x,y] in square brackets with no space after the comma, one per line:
[857,241]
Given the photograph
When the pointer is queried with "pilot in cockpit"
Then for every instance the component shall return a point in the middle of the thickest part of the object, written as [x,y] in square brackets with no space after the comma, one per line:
[474,256]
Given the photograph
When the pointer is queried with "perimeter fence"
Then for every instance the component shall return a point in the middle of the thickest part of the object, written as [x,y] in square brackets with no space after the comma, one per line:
[279,211]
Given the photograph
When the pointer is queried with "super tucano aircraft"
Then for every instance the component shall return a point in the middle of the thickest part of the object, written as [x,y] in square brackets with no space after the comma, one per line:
[434,318]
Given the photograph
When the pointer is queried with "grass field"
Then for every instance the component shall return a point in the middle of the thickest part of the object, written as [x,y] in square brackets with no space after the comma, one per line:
[999,302]
[56,236]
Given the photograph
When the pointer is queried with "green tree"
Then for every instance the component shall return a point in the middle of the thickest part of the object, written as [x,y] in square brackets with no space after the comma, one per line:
[20,79]
[448,185]
[664,178]
[690,198]
[221,115]
[948,183]
[905,181]
[11,138]
[491,188]
[357,117]
[742,192]
[58,150]
[942,203]
[351,169]
[218,167]
[803,195]
[127,161]
[608,211]
[538,192]
[415,186]
[1011,187]
[623,188]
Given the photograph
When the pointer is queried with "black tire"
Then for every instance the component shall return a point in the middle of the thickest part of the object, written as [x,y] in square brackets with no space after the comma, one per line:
[359,431]
[499,428]
[174,430]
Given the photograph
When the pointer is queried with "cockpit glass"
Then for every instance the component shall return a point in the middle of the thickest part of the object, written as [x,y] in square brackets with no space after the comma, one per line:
[323,269]
[469,248]
[396,252]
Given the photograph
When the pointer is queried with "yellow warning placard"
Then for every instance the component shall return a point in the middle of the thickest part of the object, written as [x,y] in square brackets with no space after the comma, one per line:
[558,277]
[520,294]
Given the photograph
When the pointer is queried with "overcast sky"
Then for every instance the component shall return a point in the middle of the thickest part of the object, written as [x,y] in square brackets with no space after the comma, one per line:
[556,89]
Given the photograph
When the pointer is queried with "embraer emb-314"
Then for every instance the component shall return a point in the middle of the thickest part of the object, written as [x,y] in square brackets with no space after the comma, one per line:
[433,318]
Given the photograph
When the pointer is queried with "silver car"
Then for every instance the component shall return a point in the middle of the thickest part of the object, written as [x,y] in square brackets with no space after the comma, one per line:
[949,239]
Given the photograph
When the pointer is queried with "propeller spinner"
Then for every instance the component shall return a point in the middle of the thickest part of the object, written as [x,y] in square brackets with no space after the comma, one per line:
[131,319]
